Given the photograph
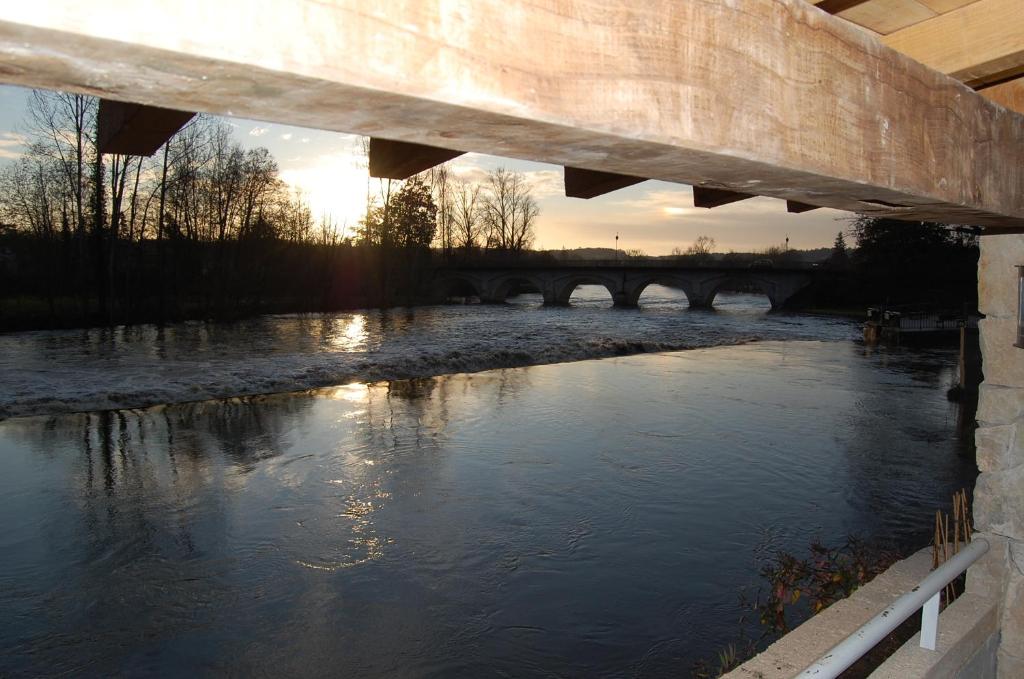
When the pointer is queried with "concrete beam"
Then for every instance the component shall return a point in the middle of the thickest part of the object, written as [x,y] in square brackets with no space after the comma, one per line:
[401,160]
[581,183]
[135,130]
[768,97]
[709,198]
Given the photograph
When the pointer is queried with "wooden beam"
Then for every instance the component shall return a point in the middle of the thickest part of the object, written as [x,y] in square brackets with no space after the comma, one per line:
[709,198]
[837,6]
[1002,232]
[781,100]
[887,16]
[978,43]
[796,207]
[401,160]
[136,130]
[581,183]
[1009,94]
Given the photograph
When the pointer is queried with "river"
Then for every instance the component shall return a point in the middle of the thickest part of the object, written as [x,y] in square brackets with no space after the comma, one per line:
[581,518]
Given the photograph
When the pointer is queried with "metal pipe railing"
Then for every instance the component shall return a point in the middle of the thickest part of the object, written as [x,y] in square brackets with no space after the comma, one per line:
[925,595]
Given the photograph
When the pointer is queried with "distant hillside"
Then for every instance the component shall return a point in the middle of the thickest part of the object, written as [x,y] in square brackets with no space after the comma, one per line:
[583,253]
[815,255]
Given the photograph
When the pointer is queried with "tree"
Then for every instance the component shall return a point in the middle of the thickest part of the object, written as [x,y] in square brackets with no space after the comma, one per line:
[406,218]
[414,214]
[508,211]
[702,247]
[916,261]
[60,125]
[443,191]
[839,258]
[466,218]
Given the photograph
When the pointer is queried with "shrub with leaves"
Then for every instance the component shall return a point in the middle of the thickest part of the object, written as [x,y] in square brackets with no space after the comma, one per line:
[826,576]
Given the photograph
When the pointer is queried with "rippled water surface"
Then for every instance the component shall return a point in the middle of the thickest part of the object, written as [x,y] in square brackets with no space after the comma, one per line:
[594,518]
[144,365]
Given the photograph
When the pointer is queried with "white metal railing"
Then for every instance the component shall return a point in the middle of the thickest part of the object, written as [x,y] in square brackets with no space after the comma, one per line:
[925,596]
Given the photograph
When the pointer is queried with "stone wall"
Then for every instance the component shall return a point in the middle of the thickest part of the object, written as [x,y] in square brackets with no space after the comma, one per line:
[999,494]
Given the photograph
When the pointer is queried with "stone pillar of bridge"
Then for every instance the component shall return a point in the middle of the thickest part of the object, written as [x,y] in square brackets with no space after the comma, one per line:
[490,290]
[631,287]
[999,492]
[700,290]
[624,300]
[783,287]
[698,301]
[548,290]
[700,294]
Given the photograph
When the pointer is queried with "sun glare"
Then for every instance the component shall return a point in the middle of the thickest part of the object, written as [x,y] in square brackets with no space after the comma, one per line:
[335,186]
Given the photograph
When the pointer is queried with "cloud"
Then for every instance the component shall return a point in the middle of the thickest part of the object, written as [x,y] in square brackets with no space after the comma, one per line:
[474,168]
[658,216]
[286,136]
[546,183]
[258,131]
[12,145]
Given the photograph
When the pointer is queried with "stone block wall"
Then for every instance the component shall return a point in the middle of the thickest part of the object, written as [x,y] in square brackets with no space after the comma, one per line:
[999,494]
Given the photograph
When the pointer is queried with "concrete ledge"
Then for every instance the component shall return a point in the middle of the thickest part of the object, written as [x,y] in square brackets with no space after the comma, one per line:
[966,629]
[798,649]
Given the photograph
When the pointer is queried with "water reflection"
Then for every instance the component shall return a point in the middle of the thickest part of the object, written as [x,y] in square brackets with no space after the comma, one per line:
[565,520]
[346,333]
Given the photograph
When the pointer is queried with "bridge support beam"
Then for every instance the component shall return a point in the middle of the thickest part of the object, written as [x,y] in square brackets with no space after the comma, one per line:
[136,130]
[469,76]
[590,184]
[401,160]
[704,196]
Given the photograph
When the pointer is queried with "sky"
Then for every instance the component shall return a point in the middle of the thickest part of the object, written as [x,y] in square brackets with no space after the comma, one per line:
[330,170]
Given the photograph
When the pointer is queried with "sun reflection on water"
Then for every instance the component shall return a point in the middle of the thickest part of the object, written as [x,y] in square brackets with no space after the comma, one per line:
[351,335]
[362,543]
[357,392]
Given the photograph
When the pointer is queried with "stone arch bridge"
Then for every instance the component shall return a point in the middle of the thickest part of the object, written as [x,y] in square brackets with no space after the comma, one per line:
[625,281]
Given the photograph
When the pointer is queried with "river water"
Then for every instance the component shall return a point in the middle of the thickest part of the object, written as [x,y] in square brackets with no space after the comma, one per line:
[584,518]
[133,366]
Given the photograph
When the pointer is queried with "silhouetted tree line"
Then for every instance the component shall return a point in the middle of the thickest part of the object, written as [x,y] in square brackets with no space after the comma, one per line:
[899,263]
[207,229]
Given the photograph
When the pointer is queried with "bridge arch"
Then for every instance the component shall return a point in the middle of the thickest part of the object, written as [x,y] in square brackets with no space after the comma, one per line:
[765,285]
[502,286]
[455,285]
[562,287]
[637,288]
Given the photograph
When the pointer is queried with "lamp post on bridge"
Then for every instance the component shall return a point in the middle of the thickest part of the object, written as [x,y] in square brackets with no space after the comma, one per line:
[616,246]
